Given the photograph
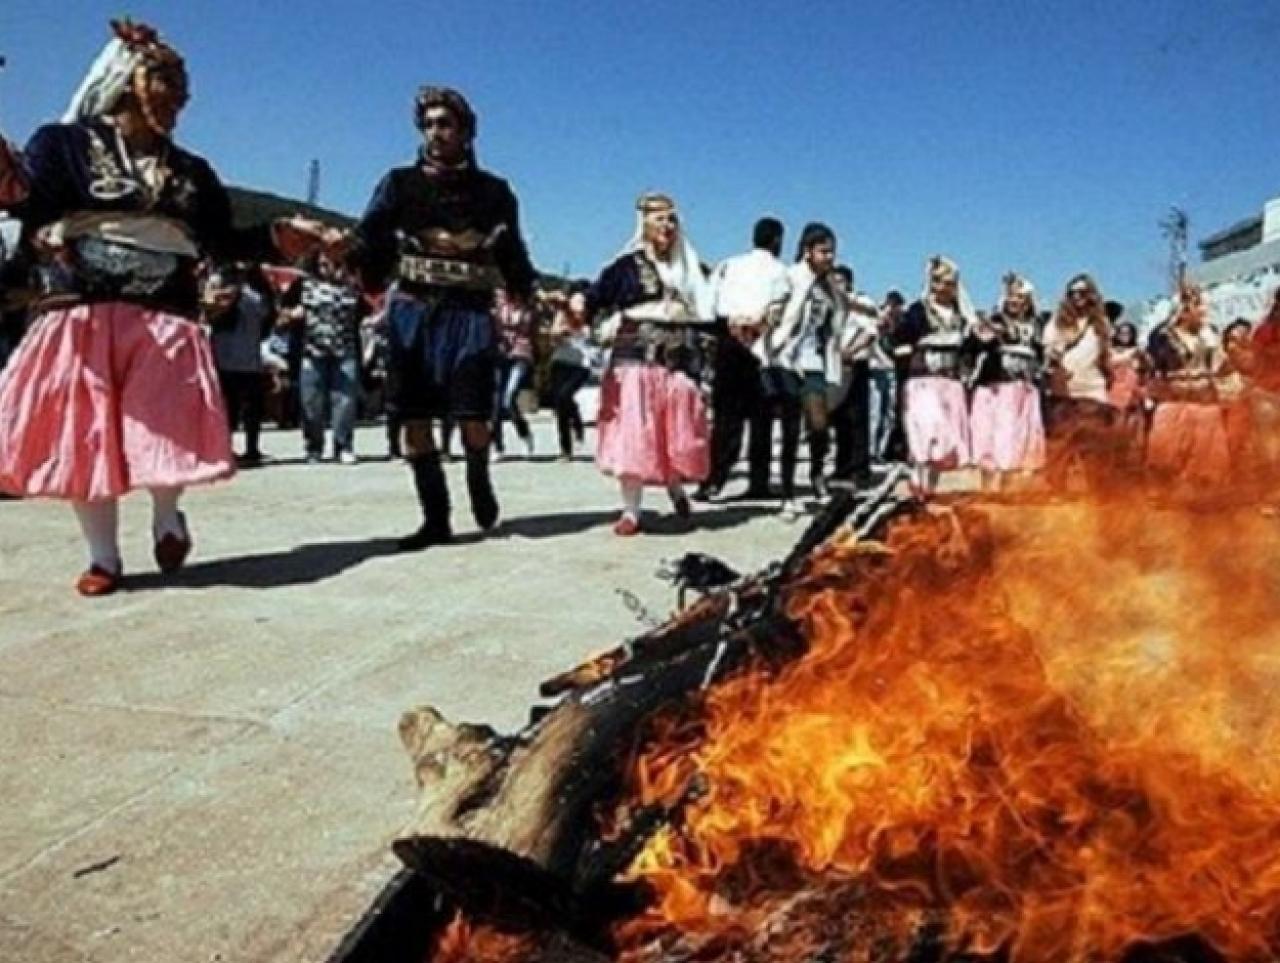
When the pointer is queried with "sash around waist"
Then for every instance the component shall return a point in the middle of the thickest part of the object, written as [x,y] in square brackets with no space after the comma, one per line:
[672,346]
[448,273]
[936,361]
[101,270]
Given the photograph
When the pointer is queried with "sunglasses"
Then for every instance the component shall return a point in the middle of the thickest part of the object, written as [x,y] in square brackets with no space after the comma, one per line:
[1079,292]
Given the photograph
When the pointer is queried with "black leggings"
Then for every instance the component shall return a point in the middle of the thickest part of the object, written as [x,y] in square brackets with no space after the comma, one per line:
[244,395]
[565,381]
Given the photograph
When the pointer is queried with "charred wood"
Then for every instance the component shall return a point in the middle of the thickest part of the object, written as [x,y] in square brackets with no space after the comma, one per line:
[506,826]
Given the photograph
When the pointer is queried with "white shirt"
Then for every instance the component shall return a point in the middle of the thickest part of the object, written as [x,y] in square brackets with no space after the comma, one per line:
[747,285]
[859,324]
[1080,360]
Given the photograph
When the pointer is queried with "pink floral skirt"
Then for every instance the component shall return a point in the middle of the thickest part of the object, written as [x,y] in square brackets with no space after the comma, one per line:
[1006,428]
[100,399]
[1188,443]
[937,422]
[652,426]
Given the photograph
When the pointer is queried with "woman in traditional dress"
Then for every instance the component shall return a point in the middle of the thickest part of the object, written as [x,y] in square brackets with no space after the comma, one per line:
[1234,387]
[652,424]
[1006,425]
[936,411]
[1079,418]
[1188,444]
[115,389]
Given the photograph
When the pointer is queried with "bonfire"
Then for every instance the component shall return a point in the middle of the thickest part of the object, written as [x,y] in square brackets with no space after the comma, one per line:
[981,732]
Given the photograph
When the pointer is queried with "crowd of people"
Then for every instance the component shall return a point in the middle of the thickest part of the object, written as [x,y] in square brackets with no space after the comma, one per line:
[157,327]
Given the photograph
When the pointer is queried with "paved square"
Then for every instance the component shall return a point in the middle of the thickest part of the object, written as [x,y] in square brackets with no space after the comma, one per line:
[206,768]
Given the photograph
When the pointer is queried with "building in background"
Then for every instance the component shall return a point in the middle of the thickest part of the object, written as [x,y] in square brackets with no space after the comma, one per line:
[1240,267]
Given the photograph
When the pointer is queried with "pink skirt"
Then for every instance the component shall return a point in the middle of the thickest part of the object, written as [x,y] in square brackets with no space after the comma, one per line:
[1188,443]
[1006,428]
[937,422]
[652,426]
[100,399]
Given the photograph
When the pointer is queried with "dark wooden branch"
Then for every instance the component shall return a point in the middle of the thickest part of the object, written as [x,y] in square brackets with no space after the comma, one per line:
[507,826]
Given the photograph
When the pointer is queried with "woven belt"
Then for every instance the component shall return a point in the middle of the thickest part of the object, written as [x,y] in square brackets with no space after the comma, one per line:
[679,348]
[939,363]
[109,268]
[450,274]
[1018,362]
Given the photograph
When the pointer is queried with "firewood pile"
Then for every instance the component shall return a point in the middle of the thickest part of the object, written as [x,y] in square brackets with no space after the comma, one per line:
[960,734]
[508,826]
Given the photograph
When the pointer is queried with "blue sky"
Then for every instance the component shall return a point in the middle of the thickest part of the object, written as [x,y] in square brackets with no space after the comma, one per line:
[1042,137]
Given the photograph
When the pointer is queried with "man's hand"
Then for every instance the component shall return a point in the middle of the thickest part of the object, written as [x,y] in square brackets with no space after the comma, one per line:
[299,237]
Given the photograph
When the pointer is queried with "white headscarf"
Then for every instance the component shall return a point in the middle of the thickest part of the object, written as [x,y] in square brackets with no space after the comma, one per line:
[106,82]
[681,272]
[134,46]
[1013,283]
[964,305]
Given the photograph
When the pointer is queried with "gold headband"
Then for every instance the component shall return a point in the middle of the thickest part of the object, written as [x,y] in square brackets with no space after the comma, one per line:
[655,204]
[940,266]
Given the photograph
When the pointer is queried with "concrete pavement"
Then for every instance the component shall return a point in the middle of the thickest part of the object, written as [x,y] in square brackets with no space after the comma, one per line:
[206,768]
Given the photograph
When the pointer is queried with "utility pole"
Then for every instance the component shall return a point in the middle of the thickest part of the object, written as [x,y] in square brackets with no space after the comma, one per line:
[313,182]
[1175,227]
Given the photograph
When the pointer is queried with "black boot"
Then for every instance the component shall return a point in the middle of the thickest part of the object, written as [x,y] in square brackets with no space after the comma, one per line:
[433,496]
[484,504]
[818,445]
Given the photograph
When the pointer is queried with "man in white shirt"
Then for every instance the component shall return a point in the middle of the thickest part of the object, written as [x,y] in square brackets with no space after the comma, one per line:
[750,291]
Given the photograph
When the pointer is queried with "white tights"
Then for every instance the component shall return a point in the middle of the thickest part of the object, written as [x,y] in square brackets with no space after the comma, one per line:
[100,524]
[633,494]
[927,478]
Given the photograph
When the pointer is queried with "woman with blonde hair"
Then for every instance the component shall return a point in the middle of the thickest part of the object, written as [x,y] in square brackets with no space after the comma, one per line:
[1079,417]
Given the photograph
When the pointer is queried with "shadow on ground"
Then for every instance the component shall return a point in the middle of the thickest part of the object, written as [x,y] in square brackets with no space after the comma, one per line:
[301,565]
[654,523]
[317,561]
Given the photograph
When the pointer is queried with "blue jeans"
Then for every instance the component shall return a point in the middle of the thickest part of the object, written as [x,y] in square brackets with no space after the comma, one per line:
[512,375]
[884,415]
[329,387]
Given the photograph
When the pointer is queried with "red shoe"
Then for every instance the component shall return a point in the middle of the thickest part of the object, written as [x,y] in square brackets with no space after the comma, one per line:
[171,550]
[626,526]
[96,581]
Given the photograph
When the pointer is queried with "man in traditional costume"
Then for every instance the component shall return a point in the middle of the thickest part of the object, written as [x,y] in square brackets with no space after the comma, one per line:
[447,234]
[1006,425]
[115,388]
[652,422]
[936,413]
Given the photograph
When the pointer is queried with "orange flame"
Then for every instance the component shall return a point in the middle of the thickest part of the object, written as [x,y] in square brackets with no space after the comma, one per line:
[463,941]
[1048,732]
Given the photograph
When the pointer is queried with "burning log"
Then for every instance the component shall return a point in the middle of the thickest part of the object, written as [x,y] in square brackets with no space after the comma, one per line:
[979,740]
[507,825]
